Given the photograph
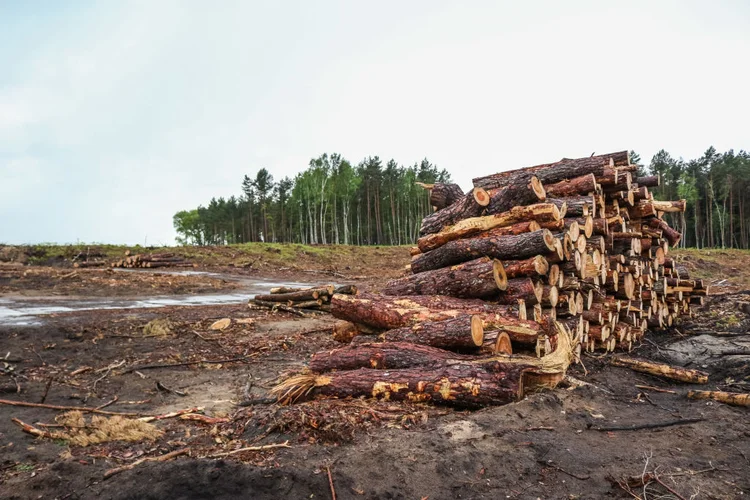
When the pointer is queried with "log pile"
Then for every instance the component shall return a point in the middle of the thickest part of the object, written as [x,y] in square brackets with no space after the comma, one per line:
[293,299]
[509,284]
[152,261]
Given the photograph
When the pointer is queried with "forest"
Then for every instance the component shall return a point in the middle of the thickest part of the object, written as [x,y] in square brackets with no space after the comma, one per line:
[335,202]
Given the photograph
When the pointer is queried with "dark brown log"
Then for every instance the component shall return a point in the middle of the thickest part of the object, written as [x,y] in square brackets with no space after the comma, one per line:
[513,195]
[464,332]
[476,226]
[497,343]
[573,229]
[570,187]
[672,236]
[551,173]
[549,296]
[347,289]
[443,195]
[387,312]
[521,331]
[301,295]
[462,384]
[577,206]
[642,209]
[521,288]
[471,205]
[500,247]
[648,181]
[533,266]
[478,278]
[382,356]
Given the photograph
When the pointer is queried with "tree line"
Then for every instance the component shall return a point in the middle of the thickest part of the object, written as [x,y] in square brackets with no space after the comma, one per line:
[716,187]
[371,203]
[331,201]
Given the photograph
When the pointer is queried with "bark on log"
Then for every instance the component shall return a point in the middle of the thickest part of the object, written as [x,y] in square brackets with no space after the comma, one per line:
[521,288]
[482,277]
[514,195]
[551,173]
[661,370]
[570,187]
[672,236]
[471,205]
[382,356]
[500,247]
[730,398]
[649,181]
[443,195]
[463,333]
[387,312]
[301,295]
[497,343]
[539,212]
[520,331]
[576,206]
[533,266]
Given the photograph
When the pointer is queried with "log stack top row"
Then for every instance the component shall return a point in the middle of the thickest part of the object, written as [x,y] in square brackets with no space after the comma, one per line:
[531,266]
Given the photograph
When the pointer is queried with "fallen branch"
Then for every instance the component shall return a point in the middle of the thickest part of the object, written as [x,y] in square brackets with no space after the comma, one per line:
[655,389]
[662,370]
[173,414]
[264,447]
[681,421]
[161,458]
[30,429]
[730,398]
[330,482]
[186,363]
[67,408]
[557,468]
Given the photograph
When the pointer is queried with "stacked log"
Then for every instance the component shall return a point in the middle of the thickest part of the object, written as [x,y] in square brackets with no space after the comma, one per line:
[293,299]
[152,261]
[544,262]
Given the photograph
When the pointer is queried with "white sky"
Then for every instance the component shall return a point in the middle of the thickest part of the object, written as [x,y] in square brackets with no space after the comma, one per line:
[115,115]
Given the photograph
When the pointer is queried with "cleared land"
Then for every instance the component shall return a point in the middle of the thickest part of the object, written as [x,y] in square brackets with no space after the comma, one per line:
[547,446]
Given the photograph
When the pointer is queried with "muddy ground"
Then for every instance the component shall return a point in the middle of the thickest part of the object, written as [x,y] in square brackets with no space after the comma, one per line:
[547,446]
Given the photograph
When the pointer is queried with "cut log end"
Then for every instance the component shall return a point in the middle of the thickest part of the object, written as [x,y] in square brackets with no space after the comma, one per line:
[536,186]
[481,196]
[498,272]
[503,344]
[477,330]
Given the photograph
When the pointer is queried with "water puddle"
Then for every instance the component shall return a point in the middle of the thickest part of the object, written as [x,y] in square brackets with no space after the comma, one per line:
[22,311]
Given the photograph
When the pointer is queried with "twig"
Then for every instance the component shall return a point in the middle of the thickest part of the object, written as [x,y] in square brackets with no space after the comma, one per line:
[30,429]
[46,389]
[186,363]
[84,409]
[264,447]
[657,425]
[679,497]
[330,482]
[108,370]
[108,403]
[173,414]
[655,389]
[164,388]
[161,458]
[553,466]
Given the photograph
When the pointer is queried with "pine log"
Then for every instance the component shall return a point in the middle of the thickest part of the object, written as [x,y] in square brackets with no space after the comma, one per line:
[662,370]
[464,332]
[533,266]
[504,198]
[443,195]
[387,312]
[730,398]
[382,356]
[570,187]
[672,236]
[301,295]
[478,278]
[500,247]
[513,219]
[497,343]
[551,173]
[471,205]
[521,288]
[520,331]
[669,206]
[649,181]
[576,206]
[348,289]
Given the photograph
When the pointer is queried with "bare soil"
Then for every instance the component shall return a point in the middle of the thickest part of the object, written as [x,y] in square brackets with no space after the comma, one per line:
[546,446]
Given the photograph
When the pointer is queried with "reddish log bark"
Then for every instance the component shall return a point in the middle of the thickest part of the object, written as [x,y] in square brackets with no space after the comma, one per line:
[381,356]
[482,277]
[464,332]
[443,195]
[471,205]
[513,195]
[570,187]
[521,288]
[577,206]
[500,247]
[533,266]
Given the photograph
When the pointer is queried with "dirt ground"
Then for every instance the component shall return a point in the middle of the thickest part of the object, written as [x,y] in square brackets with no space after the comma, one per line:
[549,445]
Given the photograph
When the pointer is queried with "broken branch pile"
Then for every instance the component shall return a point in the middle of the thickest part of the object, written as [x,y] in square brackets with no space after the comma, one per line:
[547,261]
[153,260]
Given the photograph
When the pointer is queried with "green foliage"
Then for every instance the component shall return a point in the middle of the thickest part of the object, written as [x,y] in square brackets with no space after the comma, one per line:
[332,201]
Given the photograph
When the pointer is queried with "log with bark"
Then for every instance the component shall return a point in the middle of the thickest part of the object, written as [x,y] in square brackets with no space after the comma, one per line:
[443,195]
[462,333]
[471,205]
[478,278]
[382,356]
[504,198]
[663,370]
[519,246]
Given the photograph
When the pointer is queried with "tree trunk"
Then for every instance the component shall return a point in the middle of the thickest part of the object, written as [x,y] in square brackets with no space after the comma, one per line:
[382,356]
[515,221]
[482,277]
[500,247]
[443,195]
[551,173]
[584,184]
[463,333]
[514,195]
[471,205]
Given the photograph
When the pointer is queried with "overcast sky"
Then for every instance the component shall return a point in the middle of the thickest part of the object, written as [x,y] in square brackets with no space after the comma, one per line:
[115,115]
